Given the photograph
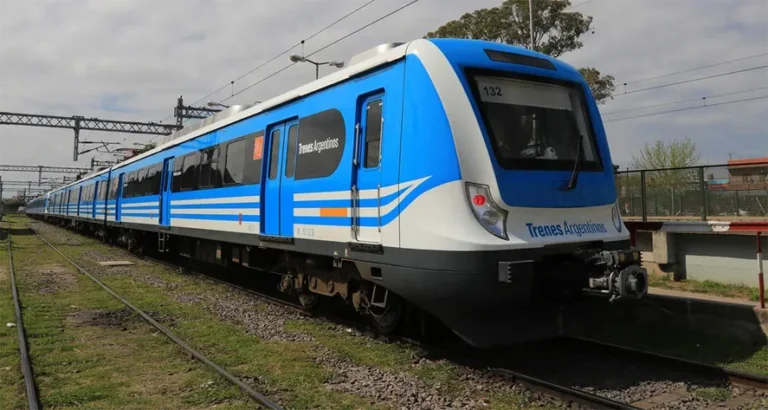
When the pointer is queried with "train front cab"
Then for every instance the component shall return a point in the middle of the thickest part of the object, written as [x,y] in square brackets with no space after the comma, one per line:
[495,251]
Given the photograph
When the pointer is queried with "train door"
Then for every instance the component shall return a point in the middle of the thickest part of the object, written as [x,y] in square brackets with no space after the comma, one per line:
[366,179]
[270,212]
[118,198]
[287,178]
[79,199]
[165,192]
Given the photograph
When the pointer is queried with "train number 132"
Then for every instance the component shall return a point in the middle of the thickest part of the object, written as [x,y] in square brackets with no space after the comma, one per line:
[492,91]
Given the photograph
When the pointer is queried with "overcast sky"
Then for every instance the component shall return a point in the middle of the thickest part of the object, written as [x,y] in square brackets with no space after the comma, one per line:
[131,59]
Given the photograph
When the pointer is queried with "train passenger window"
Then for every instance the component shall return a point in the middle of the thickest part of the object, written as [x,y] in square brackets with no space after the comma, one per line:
[178,165]
[274,154]
[113,188]
[233,167]
[129,185]
[190,170]
[290,160]
[141,183]
[153,179]
[321,144]
[209,168]
[373,128]
[254,154]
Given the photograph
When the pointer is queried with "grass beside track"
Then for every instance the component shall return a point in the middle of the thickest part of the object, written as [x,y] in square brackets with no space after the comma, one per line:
[88,351]
[707,287]
[285,371]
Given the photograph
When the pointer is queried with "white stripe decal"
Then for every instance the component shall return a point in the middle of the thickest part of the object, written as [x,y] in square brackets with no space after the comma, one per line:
[364,194]
[133,205]
[226,200]
[215,211]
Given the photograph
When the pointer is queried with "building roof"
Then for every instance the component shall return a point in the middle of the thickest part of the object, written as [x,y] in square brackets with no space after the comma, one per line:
[748,161]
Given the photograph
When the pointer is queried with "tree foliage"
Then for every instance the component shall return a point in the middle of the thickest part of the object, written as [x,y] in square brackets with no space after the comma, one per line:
[672,154]
[555,32]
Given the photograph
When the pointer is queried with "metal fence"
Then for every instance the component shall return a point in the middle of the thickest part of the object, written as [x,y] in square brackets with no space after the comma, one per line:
[694,193]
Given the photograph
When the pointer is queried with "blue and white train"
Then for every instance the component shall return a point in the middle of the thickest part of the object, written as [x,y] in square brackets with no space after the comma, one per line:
[469,179]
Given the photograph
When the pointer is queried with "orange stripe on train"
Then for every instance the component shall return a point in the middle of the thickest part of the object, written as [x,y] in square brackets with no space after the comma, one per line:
[333,212]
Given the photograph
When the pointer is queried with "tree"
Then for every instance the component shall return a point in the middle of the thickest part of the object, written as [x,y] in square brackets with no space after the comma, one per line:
[555,32]
[672,154]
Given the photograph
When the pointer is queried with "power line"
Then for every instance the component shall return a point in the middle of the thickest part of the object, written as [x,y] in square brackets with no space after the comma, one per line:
[324,48]
[695,68]
[683,101]
[689,81]
[688,108]
[287,50]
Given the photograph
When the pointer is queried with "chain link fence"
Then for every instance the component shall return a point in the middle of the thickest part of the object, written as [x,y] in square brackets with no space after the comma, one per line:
[694,193]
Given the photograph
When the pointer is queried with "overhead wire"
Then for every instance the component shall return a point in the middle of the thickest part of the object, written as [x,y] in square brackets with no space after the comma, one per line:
[686,109]
[287,50]
[687,70]
[684,101]
[688,81]
[324,47]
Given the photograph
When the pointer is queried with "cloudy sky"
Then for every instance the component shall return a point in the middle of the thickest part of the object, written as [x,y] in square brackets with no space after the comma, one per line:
[131,59]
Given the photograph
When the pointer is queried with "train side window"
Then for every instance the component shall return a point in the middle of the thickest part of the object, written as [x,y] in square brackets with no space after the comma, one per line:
[233,167]
[293,140]
[373,128]
[154,175]
[209,168]
[325,131]
[190,171]
[129,185]
[254,158]
[178,165]
[274,154]
[141,183]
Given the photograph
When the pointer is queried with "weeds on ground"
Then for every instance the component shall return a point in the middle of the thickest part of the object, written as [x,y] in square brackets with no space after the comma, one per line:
[708,287]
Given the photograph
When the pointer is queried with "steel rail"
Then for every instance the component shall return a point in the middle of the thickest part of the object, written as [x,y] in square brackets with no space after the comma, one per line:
[26,365]
[261,399]
[757,381]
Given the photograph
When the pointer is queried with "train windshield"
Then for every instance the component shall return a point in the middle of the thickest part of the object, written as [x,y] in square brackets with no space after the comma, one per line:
[534,125]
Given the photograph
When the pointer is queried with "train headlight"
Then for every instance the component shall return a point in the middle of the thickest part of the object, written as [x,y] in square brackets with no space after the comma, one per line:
[491,216]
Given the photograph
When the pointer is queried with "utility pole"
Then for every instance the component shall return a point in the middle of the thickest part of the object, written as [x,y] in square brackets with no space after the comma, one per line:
[530,18]
[182,112]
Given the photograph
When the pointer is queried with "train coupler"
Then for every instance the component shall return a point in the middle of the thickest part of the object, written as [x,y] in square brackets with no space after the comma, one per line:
[617,273]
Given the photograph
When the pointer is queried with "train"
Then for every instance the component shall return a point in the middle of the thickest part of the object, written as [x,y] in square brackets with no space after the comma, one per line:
[467,180]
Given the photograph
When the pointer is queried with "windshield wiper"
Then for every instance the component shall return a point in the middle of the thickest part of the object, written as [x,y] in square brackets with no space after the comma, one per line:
[575,175]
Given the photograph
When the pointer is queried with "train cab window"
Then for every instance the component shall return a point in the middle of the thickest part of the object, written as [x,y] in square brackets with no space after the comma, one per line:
[290,160]
[209,168]
[190,171]
[274,152]
[178,165]
[233,167]
[373,128]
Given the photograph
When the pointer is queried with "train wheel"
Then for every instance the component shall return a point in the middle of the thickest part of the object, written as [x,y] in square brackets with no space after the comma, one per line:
[309,300]
[387,319]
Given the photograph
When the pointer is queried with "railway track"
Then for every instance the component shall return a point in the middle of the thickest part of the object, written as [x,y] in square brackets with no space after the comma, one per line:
[256,396]
[562,391]
[26,366]
[568,391]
